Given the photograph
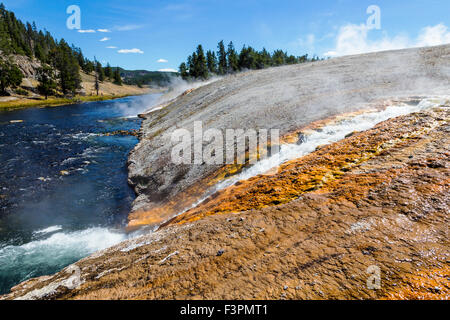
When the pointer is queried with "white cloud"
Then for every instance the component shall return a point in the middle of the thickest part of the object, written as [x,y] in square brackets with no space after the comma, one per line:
[135,50]
[105,39]
[434,36]
[111,47]
[86,31]
[103,30]
[162,61]
[128,27]
[353,39]
[167,70]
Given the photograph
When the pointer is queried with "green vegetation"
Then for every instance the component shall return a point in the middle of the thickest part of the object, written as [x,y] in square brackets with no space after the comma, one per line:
[117,77]
[99,71]
[17,38]
[25,103]
[10,76]
[21,92]
[143,77]
[228,60]
[108,71]
[47,83]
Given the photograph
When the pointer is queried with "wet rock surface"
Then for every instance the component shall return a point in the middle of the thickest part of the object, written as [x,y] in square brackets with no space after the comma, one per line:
[387,211]
[285,98]
[122,133]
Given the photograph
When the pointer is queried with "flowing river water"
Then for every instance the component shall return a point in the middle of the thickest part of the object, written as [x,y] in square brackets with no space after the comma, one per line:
[63,184]
[49,220]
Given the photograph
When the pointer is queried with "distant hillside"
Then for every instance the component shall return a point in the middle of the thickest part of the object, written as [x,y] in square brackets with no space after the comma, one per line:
[24,39]
[25,51]
[144,77]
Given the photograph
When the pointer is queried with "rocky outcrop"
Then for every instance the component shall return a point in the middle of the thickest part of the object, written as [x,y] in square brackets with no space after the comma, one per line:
[27,65]
[285,98]
[377,228]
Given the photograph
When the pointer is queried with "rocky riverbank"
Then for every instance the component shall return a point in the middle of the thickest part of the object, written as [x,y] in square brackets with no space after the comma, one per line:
[384,205]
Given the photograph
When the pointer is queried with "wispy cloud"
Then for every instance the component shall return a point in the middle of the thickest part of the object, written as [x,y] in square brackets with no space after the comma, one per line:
[135,50]
[86,31]
[103,30]
[167,70]
[181,11]
[177,7]
[353,39]
[307,42]
[162,61]
[111,47]
[105,39]
[128,27]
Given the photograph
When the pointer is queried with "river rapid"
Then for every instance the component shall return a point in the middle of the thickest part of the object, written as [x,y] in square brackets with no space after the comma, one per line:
[63,184]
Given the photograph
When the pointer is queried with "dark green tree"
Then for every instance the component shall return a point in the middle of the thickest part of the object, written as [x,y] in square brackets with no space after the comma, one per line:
[233,60]
[100,71]
[222,59]
[264,59]
[229,61]
[192,63]
[211,61]
[247,58]
[66,63]
[184,71]
[278,58]
[108,71]
[200,64]
[47,81]
[117,77]
[10,76]
[89,66]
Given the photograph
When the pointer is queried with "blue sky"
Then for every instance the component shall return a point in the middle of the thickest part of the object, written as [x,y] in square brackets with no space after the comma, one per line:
[170,30]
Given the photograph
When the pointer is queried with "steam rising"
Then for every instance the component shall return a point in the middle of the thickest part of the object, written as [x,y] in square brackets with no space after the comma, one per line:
[133,107]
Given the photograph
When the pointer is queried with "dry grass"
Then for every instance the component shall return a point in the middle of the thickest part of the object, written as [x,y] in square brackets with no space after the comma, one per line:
[108,91]
[26,103]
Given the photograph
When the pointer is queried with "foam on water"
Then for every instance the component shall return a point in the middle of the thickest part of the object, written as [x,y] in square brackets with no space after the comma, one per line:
[55,251]
[48,230]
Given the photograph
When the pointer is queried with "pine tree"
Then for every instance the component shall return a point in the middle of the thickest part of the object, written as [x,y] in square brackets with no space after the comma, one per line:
[266,58]
[117,77]
[67,65]
[192,60]
[108,71]
[278,58]
[211,61]
[100,71]
[89,66]
[47,83]
[183,71]
[247,58]
[10,76]
[201,65]
[222,57]
[233,62]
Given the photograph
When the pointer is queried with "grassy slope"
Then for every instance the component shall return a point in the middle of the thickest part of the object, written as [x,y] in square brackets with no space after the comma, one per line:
[107,91]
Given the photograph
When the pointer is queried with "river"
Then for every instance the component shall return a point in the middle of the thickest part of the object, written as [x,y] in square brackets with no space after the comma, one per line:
[63,184]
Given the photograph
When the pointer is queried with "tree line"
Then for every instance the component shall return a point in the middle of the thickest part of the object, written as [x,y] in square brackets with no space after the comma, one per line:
[61,63]
[227,61]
